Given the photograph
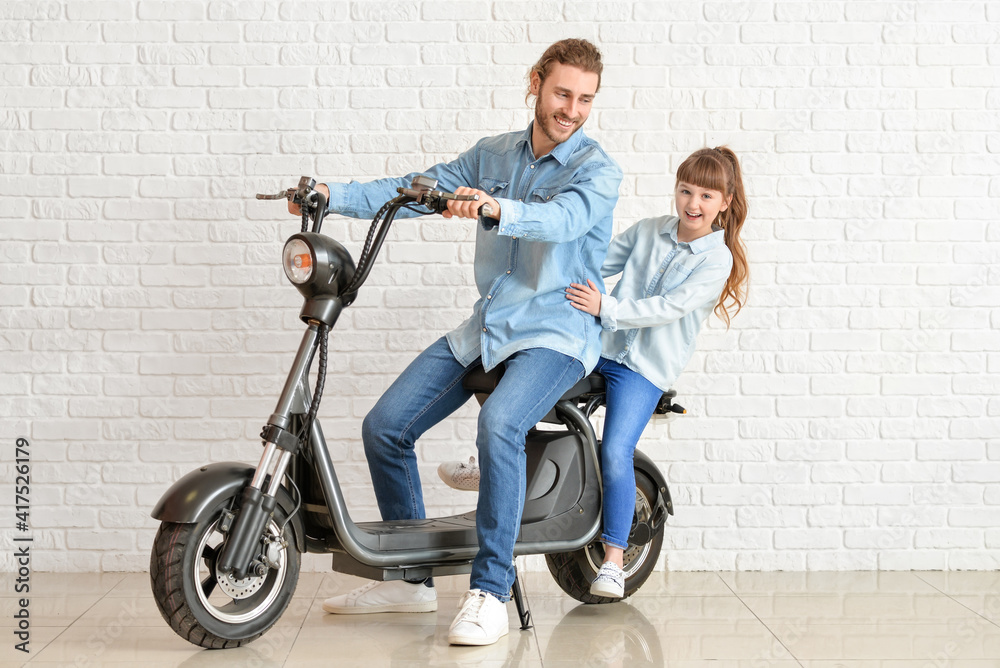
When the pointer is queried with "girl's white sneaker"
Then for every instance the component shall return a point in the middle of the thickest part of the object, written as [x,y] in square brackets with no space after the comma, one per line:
[389,596]
[610,581]
[460,475]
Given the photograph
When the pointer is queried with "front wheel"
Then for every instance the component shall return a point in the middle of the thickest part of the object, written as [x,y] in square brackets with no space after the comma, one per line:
[574,571]
[211,609]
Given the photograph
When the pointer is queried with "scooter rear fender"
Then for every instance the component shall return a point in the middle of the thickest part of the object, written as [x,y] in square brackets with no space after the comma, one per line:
[641,462]
[201,491]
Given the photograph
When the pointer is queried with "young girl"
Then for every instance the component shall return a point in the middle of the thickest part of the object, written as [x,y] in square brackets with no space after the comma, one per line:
[674,271]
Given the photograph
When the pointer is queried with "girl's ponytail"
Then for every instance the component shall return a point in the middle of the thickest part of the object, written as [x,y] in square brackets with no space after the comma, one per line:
[731,220]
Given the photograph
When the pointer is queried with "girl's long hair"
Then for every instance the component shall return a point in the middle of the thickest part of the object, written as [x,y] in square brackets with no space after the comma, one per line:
[719,169]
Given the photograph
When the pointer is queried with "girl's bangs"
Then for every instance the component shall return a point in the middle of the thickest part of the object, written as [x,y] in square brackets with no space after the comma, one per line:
[703,170]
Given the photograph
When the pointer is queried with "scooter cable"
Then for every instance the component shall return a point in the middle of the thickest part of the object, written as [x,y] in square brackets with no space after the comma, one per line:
[307,422]
[324,337]
[298,504]
[382,219]
[363,259]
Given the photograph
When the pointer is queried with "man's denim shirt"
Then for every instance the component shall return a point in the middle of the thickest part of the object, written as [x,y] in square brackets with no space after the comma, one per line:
[668,288]
[554,229]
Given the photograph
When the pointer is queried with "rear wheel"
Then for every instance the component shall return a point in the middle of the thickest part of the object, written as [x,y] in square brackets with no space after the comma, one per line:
[212,609]
[574,571]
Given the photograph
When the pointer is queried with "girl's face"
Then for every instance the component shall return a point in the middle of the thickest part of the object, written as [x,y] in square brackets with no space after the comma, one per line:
[697,208]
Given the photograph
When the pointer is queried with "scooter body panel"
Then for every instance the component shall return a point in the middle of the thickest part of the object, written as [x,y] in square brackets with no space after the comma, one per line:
[562,513]
[558,505]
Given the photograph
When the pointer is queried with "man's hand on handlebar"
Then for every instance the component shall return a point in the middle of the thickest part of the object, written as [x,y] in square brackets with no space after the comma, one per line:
[470,208]
[296,210]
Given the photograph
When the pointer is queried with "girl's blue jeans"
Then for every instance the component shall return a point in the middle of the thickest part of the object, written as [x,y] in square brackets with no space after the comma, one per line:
[631,400]
[429,390]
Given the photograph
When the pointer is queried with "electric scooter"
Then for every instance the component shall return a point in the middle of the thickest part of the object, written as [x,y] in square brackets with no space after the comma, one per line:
[226,557]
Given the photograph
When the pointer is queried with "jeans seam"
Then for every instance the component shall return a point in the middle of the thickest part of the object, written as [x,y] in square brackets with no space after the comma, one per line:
[399,439]
[565,371]
[619,372]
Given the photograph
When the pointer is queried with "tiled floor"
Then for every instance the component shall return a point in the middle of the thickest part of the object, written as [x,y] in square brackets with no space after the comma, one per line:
[723,620]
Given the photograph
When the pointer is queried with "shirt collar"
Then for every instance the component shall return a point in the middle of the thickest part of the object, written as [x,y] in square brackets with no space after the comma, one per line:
[713,239]
[562,152]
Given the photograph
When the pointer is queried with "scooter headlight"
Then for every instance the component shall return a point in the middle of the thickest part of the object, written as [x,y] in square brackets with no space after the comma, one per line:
[318,267]
[298,261]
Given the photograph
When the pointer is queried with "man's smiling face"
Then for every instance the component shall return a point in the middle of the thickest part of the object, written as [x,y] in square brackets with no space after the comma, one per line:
[562,105]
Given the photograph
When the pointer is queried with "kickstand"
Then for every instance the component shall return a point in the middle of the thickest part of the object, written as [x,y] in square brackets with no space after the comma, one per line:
[521,602]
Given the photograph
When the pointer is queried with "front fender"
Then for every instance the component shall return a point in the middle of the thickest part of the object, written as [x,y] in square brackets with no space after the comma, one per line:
[201,491]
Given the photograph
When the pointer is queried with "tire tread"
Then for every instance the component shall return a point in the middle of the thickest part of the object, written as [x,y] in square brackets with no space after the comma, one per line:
[169,548]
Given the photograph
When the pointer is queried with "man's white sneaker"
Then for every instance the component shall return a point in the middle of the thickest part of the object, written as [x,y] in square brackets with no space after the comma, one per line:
[481,620]
[460,475]
[389,596]
[610,581]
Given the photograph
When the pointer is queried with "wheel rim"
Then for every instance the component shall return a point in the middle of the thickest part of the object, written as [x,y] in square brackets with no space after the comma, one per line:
[255,593]
[635,555]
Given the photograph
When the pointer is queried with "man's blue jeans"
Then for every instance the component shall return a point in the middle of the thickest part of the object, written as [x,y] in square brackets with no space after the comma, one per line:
[631,400]
[429,390]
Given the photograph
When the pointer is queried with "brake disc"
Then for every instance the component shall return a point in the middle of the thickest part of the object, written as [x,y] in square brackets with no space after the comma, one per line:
[242,588]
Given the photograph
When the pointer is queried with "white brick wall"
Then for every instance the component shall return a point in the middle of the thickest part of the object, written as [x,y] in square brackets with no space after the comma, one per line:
[848,420]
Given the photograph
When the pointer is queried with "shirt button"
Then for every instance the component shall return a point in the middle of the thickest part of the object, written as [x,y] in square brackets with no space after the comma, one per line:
[532,166]
[485,330]
[489,296]
[508,271]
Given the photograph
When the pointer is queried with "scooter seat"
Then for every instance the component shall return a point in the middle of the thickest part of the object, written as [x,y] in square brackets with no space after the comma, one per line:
[484,382]
[481,381]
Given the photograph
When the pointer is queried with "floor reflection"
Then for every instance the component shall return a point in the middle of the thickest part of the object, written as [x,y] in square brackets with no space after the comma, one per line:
[627,638]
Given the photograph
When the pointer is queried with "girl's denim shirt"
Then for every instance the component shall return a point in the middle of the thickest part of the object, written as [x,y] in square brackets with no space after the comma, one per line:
[667,289]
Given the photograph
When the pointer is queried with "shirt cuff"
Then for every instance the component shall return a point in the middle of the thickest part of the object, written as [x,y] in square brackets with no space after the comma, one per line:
[510,214]
[609,313]
[338,197]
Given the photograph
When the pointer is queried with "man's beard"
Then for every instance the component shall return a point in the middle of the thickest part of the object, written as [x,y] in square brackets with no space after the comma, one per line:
[540,122]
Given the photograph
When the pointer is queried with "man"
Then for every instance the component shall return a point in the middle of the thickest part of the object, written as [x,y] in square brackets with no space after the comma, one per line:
[552,191]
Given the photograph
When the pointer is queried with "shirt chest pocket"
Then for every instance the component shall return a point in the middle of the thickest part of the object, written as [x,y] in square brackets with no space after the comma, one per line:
[542,195]
[493,187]
[676,274]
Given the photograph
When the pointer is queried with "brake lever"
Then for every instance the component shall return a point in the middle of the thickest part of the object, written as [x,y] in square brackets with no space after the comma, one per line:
[303,194]
[284,194]
[423,195]
[437,200]
[458,198]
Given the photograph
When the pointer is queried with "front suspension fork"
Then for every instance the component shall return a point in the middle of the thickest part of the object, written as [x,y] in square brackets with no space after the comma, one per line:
[256,507]
[257,504]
